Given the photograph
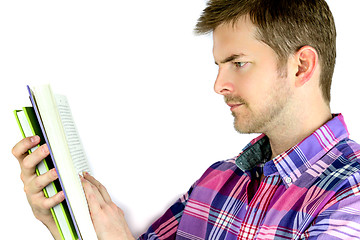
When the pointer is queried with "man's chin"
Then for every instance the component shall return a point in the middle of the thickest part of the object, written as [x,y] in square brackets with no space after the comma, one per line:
[241,128]
[245,127]
[244,130]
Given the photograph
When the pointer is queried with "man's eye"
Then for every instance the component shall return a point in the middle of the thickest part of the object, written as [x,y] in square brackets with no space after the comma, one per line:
[240,64]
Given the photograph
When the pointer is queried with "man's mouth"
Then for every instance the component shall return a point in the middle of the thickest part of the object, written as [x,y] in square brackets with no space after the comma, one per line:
[233,106]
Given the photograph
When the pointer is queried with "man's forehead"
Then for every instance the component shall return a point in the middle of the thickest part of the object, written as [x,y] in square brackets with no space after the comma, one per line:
[241,24]
[231,40]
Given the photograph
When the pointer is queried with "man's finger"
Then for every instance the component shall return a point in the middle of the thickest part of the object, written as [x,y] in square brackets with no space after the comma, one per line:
[29,163]
[98,195]
[53,201]
[20,150]
[104,193]
[40,182]
[91,197]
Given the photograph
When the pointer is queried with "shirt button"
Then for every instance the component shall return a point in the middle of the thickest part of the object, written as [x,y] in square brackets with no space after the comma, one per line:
[288,179]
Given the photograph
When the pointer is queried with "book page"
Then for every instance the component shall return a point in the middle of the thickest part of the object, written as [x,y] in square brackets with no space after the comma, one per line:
[76,149]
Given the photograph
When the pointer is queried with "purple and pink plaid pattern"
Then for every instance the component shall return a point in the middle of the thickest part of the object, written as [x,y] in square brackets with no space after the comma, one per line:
[311,191]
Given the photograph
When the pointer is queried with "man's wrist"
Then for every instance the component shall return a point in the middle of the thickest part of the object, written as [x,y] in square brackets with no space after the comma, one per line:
[53,230]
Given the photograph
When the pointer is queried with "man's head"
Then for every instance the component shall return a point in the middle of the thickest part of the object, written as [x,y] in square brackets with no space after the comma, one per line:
[277,30]
[284,25]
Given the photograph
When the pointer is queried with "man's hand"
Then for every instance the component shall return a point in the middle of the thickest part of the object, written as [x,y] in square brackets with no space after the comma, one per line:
[34,184]
[108,219]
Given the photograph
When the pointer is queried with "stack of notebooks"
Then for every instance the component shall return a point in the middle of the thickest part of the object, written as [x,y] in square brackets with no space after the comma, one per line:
[51,119]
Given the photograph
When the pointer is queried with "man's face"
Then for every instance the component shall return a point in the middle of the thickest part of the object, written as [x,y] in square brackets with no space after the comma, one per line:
[249,78]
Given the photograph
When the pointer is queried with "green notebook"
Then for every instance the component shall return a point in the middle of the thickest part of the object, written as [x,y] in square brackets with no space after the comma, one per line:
[29,126]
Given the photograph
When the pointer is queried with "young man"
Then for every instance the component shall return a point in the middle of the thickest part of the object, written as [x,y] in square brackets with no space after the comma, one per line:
[299,179]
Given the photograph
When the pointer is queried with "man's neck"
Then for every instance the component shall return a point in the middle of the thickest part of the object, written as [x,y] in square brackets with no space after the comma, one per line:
[284,136]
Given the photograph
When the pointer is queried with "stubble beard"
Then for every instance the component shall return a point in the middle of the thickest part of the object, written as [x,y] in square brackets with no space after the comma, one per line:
[270,114]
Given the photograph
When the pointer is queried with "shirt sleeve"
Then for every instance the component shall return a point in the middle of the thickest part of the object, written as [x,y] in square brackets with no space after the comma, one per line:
[166,226]
[341,220]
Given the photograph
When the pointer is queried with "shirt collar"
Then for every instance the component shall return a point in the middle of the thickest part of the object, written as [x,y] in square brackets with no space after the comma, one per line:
[293,162]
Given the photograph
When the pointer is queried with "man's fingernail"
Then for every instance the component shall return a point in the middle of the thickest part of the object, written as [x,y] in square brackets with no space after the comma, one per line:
[45,148]
[54,173]
[34,138]
[61,195]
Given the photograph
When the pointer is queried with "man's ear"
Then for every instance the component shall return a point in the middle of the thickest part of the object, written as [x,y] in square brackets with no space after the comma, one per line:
[307,61]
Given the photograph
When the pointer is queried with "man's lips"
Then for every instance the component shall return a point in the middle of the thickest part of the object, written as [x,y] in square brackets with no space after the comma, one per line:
[234,105]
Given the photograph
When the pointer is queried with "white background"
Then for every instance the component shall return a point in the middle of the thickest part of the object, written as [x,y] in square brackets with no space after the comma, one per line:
[140,86]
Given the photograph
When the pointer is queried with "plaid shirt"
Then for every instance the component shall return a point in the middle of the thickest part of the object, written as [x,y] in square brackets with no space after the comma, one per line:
[311,191]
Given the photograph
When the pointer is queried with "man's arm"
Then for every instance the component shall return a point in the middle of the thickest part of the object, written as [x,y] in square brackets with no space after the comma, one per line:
[109,221]
[340,218]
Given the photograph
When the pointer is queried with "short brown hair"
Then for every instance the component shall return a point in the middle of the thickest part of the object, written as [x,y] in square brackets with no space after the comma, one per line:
[284,25]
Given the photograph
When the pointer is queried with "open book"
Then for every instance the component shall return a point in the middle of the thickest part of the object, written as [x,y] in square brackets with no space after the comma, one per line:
[51,119]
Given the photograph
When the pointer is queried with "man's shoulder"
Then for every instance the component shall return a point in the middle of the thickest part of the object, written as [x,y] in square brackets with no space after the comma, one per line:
[221,170]
[224,165]
[341,165]
[348,149]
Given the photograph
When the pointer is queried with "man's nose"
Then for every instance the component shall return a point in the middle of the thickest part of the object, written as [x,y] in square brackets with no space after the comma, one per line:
[223,84]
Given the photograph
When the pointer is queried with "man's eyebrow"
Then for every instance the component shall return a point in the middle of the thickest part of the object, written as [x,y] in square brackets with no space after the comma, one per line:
[230,58]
